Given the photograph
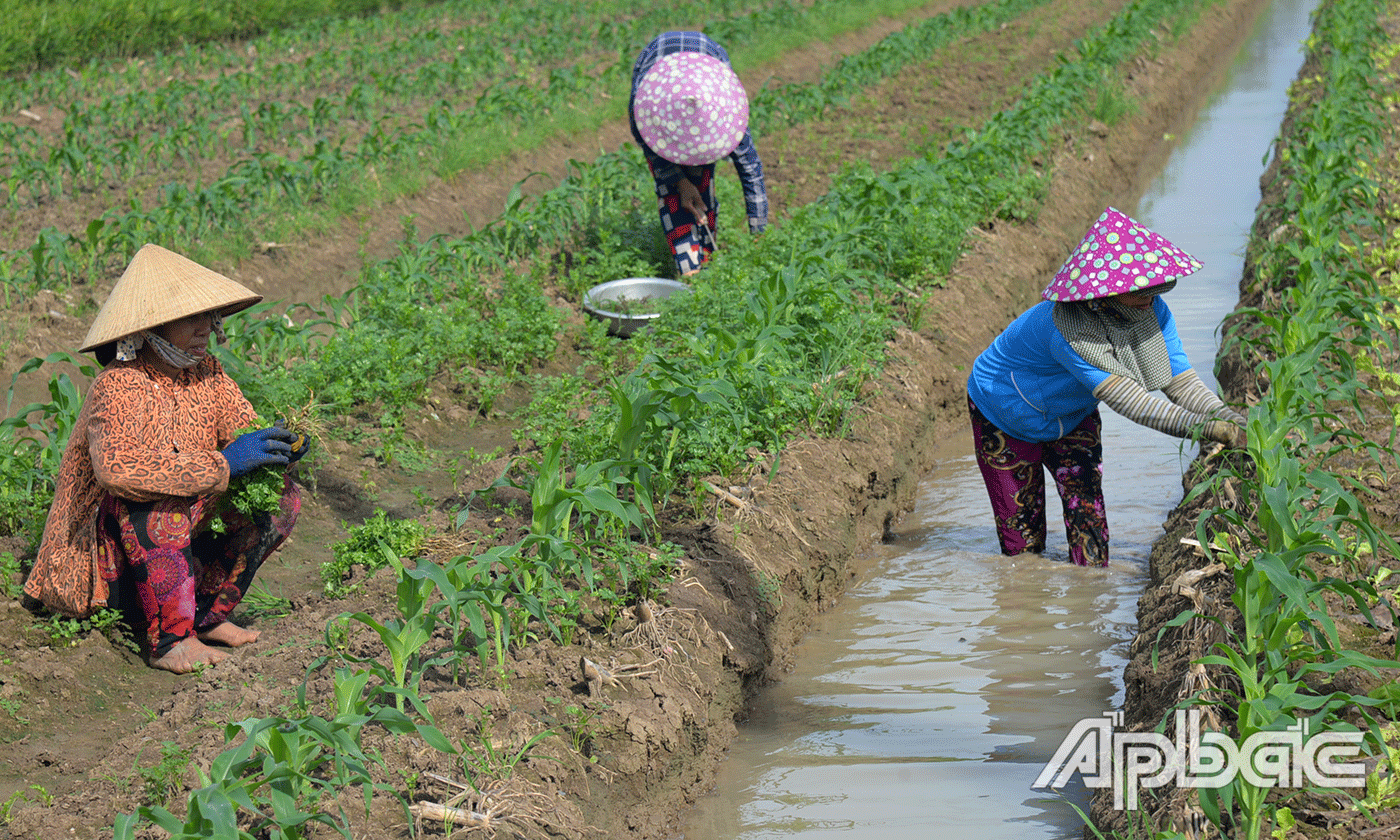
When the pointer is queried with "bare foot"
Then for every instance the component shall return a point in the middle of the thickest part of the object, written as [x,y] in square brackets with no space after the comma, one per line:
[187,655]
[228,633]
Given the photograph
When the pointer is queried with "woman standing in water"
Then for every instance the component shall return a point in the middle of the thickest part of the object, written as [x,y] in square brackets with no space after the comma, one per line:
[1102,333]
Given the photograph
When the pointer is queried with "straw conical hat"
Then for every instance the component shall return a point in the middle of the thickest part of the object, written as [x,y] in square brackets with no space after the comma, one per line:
[158,287]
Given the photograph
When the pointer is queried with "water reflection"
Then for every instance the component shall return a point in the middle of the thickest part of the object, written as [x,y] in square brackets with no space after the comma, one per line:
[933,695]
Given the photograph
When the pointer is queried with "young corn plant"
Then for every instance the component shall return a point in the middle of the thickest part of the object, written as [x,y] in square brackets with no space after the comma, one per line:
[473,606]
[404,636]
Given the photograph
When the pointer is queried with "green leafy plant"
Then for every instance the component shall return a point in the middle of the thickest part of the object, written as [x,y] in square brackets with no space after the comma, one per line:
[483,759]
[163,779]
[577,721]
[284,773]
[67,632]
[11,575]
[32,439]
[253,494]
[33,793]
[404,635]
[369,545]
[1383,783]
[260,602]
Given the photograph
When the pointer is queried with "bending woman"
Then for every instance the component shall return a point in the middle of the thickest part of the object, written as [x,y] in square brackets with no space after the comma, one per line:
[153,448]
[688,110]
[1102,333]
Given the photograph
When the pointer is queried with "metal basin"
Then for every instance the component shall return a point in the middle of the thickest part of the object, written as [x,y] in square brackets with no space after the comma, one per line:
[624,303]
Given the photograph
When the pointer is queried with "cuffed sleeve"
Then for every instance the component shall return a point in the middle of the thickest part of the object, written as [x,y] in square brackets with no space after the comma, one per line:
[750,171]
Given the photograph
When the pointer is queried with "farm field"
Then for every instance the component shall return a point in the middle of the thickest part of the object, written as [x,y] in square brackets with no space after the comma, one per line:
[423,227]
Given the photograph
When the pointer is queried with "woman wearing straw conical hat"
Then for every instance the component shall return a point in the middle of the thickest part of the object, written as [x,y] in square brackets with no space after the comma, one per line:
[688,111]
[153,448]
[1102,333]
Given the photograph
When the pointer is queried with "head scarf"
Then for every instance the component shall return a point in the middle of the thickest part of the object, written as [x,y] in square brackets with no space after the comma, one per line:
[1117,338]
[175,357]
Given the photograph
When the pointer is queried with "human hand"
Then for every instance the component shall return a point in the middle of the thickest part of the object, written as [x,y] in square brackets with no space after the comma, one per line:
[690,200]
[301,444]
[260,448]
[1227,433]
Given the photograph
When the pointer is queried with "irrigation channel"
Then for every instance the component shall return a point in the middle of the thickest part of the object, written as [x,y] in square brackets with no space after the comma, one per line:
[938,689]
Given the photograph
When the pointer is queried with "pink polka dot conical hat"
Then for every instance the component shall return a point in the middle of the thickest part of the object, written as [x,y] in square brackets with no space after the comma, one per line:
[1119,255]
[691,109]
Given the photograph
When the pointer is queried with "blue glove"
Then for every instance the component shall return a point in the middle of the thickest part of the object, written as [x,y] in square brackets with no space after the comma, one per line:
[258,449]
[301,444]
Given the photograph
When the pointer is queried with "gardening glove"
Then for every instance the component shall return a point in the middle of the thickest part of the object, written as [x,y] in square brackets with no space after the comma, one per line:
[301,444]
[1223,431]
[260,448]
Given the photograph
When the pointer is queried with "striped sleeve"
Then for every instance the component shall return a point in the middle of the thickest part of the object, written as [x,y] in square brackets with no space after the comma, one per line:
[1131,400]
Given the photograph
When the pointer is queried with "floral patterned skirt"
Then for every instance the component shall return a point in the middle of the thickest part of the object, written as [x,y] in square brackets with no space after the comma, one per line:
[1014,472]
[184,577]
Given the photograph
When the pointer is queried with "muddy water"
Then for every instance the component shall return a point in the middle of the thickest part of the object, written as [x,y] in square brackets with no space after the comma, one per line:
[935,693]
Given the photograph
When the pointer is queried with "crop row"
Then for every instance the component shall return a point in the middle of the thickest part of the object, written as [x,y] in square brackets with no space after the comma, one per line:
[389,309]
[39,34]
[1291,527]
[299,130]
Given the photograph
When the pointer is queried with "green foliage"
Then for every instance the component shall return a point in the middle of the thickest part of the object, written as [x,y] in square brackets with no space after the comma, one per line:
[11,575]
[577,721]
[370,545]
[67,632]
[798,102]
[251,495]
[1383,783]
[166,777]
[484,760]
[32,439]
[1294,516]
[285,774]
[474,606]
[1111,105]
[261,602]
[1387,697]
[404,636]
[33,793]
[778,338]
[13,708]
[42,33]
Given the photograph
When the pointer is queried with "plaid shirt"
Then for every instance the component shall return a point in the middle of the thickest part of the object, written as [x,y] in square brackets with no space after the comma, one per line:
[745,156]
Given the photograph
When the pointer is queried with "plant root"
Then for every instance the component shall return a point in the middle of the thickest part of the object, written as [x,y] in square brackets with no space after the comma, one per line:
[598,676]
[509,807]
[661,630]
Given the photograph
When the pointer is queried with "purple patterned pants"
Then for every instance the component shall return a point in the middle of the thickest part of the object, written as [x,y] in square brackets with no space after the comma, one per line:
[1014,472]
[185,577]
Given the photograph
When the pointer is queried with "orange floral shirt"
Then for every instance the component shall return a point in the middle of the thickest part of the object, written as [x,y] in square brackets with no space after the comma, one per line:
[141,435]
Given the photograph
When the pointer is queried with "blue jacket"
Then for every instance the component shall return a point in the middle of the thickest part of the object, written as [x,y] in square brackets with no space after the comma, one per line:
[1032,385]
